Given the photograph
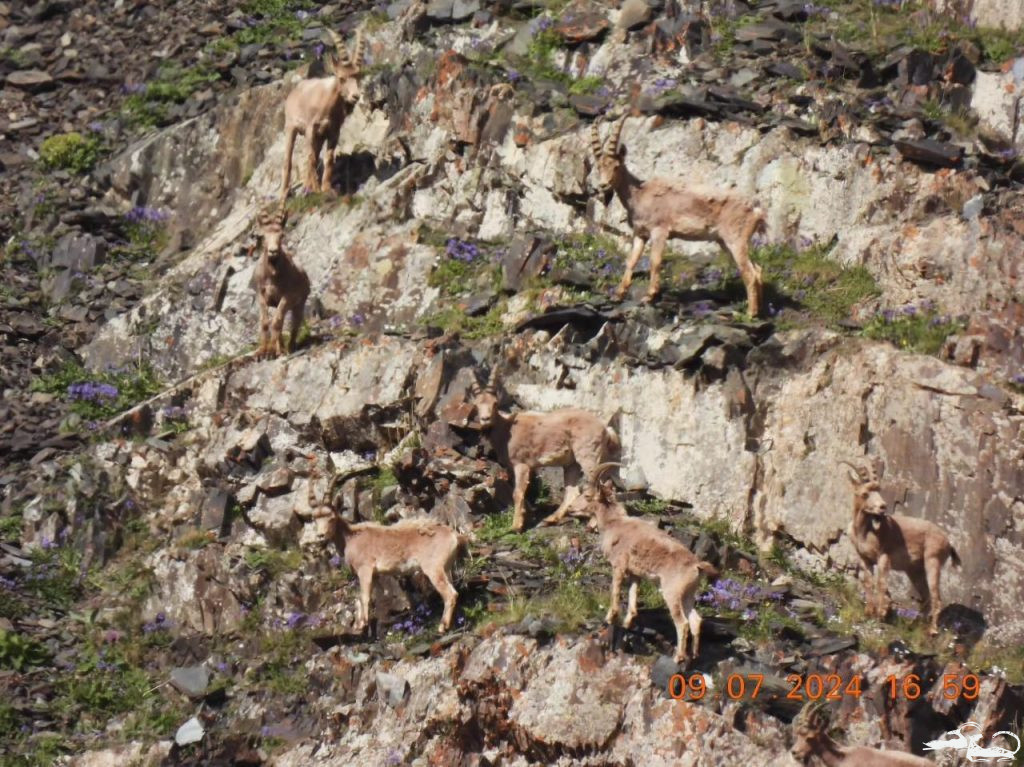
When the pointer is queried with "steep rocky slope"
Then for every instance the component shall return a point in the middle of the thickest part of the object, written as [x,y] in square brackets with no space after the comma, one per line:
[164,599]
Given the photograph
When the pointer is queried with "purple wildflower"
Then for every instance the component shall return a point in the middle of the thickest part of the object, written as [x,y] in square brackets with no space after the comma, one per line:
[1017,379]
[888,315]
[908,613]
[295,620]
[461,251]
[358,319]
[89,391]
[513,76]
[142,214]
[130,88]
[909,310]
[335,561]
[318,50]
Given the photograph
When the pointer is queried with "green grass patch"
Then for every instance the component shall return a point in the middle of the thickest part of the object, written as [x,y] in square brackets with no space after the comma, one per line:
[300,204]
[385,478]
[282,655]
[148,105]
[278,21]
[194,540]
[807,278]
[273,562]
[648,506]
[70,151]
[596,255]
[10,527]
[877,27]
[497,528]
[100,395]
[454,319]
[19,652]
[914,329]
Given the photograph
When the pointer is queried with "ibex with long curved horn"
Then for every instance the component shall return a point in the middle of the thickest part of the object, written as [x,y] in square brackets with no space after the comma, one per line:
[811,738]
[576,440]
[885,541]
[317,107]
[659,208]
[636,548]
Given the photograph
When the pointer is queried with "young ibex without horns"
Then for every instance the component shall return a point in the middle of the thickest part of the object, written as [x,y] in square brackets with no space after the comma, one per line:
[576,440]
[659,208]
[403,548]
[636,549]
[810,739]
[884,540]
[282,285]
[317,107]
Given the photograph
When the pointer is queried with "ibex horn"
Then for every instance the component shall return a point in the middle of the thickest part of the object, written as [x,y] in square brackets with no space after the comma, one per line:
[339,46]
[357,59]
[813,713]
[595,140]
[492,379]
[861,471]
[600,469]
[612,147]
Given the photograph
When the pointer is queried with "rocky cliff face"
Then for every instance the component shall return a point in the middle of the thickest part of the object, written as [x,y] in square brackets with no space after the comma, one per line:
[166,599]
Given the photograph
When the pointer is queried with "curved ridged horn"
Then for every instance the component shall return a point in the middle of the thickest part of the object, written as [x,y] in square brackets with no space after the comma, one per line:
[612,147]
[357,57]
[595,139]
[600,469]
[492,379]
[339,47]
[501,90]
[861,471]
[813,714]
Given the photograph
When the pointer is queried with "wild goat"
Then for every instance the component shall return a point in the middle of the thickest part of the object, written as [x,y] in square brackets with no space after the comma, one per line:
[316,108]
[576,440]
[637,548]
[659,208]
[401,548]
[810,738]
[884,540]
[282,285]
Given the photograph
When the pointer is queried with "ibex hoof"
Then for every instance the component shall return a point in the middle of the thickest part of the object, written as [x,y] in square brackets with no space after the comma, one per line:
[649,298]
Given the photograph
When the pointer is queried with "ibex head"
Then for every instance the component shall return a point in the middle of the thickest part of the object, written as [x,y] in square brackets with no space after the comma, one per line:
[485,400]
[808,727]
[607,156]
[347,69]
[865,479]
[271,221]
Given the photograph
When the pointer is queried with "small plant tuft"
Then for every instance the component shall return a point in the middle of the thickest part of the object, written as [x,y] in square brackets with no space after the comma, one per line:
[70,151]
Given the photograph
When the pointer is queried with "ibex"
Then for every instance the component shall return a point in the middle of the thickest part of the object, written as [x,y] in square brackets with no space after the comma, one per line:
[884,540]
[282,285]
[659,208]
[316,107]
[576,440]
[810,738]
[401,548]
[637,548]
